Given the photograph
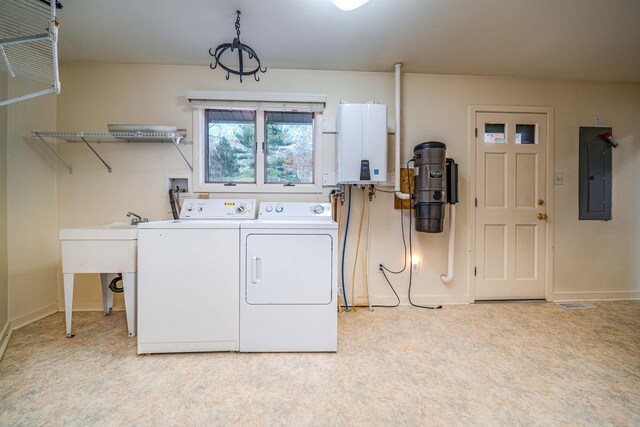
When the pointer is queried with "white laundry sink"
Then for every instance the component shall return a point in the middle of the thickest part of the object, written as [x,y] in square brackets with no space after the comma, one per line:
[105,249]
[101,248]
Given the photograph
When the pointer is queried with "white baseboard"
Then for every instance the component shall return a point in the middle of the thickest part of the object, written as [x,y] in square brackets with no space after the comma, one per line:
[4,338]
[417,299]
[596,296]
[38,314]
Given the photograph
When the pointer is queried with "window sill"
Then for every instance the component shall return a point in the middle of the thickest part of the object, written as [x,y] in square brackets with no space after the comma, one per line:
[261,189]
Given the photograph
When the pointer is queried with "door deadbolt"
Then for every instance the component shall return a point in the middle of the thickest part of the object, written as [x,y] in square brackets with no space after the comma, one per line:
[540,202]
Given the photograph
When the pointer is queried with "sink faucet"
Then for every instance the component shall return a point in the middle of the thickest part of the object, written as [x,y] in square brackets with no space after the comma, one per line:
[137,218]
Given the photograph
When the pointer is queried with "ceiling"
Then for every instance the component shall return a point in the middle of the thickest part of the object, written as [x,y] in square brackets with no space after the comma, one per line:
[564,39]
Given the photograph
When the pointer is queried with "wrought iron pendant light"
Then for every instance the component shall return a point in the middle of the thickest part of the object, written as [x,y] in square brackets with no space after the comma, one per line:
[242,49]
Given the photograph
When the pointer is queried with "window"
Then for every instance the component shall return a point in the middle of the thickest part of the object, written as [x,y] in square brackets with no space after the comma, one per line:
[494,133]
[230,146]
[257,142]
[289,147]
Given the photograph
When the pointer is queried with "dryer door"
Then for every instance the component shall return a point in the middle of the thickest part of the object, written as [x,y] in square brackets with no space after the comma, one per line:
[288,269]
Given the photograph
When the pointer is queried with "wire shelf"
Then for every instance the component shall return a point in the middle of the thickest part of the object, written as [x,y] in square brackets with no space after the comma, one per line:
[176,138]
[29,43]
[119,137]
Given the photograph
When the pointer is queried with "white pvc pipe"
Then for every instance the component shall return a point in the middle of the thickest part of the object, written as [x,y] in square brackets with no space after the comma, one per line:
[396,186]
[452,243]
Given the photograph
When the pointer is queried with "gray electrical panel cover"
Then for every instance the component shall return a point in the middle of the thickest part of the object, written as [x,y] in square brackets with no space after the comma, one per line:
[595,174]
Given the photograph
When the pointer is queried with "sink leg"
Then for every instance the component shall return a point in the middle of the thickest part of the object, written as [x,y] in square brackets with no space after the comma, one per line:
[68,301]
[107,295]
[129,283]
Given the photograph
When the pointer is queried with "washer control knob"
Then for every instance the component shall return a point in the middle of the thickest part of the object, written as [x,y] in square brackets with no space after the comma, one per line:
[318,210]
[279,208]
[268,208]
[241,209]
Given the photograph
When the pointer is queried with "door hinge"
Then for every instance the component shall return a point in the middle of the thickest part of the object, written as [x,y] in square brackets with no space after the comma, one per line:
[476,202]
[476,132]
[475,271]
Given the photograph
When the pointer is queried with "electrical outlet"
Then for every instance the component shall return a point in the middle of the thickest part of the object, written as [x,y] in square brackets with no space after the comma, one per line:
[378,264]
[559,178]
[415,265]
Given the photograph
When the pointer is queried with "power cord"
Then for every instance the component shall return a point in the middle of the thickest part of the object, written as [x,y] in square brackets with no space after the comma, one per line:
[411,257]
[382,268]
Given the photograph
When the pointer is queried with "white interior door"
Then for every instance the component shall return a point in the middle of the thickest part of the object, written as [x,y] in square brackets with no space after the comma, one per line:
[511,211]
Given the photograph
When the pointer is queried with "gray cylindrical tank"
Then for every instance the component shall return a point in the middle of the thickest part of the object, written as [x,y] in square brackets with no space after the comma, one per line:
[430,186]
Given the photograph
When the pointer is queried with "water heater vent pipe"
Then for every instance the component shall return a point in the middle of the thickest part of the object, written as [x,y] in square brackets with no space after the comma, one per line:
[396,186]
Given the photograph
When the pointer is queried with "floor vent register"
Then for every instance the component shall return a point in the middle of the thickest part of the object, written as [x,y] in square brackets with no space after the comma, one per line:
[575,305]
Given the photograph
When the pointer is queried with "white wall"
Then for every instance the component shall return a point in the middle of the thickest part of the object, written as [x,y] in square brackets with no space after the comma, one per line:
[592,259]
[31,207]
[4,284]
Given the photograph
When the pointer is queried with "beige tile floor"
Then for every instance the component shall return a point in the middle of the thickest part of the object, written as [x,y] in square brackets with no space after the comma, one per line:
[482,364]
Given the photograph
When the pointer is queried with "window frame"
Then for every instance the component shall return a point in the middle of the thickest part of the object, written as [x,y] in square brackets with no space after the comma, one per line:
[260,186]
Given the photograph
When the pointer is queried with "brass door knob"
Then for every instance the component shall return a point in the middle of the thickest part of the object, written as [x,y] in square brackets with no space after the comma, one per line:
[543,216]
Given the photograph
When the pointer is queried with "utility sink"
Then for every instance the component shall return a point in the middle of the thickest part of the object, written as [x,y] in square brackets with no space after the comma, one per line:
[99,249]
[105,249]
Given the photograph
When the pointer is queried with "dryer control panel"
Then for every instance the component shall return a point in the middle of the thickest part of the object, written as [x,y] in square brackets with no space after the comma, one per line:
[299,210]
[218,209]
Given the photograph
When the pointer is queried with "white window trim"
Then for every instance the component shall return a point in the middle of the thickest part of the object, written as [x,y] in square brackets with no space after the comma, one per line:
[260,102]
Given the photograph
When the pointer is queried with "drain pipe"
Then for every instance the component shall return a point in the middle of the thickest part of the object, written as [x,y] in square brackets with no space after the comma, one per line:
[452,243]
[396,186]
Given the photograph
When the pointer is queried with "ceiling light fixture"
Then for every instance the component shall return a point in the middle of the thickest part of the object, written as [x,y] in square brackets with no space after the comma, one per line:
[348,5]
[242,49]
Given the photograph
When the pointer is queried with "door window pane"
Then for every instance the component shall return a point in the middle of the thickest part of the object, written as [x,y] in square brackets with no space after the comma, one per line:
[494,133]
[289,148]
[526,134]
[230,146]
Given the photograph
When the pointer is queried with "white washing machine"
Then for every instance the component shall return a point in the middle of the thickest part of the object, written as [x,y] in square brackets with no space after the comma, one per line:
[288,279]
[188,276]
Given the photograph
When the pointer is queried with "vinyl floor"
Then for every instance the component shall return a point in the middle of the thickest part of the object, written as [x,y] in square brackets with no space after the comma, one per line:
[480,364]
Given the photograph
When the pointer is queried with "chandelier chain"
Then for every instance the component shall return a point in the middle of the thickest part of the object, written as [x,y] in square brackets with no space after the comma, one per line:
[238,24]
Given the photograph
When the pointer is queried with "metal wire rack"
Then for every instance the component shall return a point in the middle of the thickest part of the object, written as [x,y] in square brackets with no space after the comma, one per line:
[29,43]
[176,138]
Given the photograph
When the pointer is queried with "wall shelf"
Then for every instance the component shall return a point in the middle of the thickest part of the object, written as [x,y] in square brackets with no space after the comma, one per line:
[134,137]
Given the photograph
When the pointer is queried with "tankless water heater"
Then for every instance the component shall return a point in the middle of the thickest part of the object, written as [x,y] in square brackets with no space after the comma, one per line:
[361,144]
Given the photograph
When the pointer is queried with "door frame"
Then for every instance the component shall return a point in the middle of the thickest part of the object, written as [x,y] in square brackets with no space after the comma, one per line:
[548,111]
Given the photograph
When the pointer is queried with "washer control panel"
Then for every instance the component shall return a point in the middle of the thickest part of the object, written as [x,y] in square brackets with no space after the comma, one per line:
[218,209]
[284,210]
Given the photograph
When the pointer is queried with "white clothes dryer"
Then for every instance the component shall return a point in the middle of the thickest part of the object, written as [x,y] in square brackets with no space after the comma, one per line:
[188,276]
[288,279]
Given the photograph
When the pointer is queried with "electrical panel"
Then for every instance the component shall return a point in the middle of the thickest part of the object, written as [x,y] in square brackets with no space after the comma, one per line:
[595,174]
[361,144]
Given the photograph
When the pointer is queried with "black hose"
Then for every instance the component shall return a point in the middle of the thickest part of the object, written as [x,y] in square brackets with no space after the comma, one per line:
[114,285]
[174,211]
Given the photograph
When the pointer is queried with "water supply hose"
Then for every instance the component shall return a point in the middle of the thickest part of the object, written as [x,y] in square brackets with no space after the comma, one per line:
[366,253]
[174,211]
[344,249]
[355,260]
[114,284]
